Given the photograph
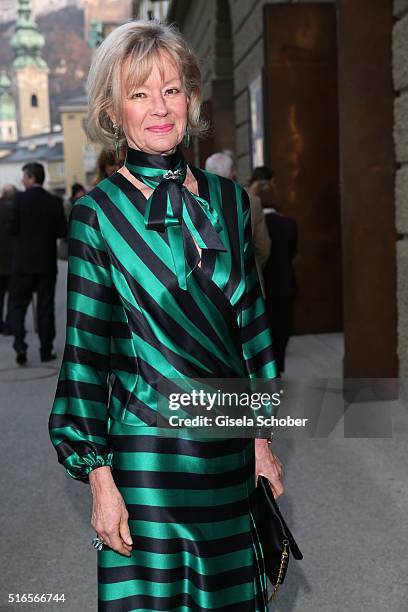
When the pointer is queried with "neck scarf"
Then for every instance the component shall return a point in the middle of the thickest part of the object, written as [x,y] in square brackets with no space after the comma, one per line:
[173,208]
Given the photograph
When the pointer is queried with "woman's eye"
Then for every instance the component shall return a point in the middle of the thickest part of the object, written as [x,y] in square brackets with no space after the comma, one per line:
[172,90]
[138,94]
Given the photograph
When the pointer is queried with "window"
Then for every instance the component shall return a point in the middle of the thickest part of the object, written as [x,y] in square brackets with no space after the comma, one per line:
[34,100]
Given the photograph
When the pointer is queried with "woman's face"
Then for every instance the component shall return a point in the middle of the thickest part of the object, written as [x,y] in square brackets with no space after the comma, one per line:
[110,169]
[155,113]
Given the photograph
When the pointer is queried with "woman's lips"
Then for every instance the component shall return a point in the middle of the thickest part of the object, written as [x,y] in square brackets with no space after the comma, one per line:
[161,129]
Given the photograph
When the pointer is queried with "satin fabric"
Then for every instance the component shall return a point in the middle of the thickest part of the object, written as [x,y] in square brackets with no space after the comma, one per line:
[129,326]
[173,207]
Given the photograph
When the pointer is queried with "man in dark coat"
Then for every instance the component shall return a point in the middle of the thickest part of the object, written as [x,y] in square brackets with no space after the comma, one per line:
[6,256]
[38,220]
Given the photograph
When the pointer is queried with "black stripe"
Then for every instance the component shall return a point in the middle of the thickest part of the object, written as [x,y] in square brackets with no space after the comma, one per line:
[87,426]
[200,548]
[88,323]
[231,209]
[87,252]
[207,582]
[260,359]
[66,448]
[207,449]
[81,390]
[251,296]
[188,514]
[85,214]
[185,480]
[126,363]
[255,327]
[86,357]
[89,288]
[120,329]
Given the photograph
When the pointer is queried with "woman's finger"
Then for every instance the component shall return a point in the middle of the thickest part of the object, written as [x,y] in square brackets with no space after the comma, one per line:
[125,531]
[119,545]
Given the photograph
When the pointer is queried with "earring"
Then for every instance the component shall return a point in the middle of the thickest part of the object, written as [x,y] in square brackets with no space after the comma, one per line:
[186,138]
[116,130]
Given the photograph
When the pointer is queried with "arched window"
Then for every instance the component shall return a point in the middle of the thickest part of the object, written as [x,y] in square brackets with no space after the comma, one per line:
[34,100]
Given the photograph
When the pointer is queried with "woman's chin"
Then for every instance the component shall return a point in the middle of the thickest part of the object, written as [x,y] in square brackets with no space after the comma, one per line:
[163,143]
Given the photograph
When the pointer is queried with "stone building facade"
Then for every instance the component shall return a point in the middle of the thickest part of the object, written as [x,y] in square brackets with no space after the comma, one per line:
[340,148]
[400,70]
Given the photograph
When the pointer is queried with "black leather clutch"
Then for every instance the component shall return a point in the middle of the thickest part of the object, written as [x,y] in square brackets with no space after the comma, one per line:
[276,539]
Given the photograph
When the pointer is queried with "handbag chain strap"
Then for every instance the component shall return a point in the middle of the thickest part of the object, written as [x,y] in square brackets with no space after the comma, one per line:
[284,560]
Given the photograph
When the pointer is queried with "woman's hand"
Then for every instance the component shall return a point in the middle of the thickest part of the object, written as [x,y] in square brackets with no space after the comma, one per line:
[268,464]
[109,514]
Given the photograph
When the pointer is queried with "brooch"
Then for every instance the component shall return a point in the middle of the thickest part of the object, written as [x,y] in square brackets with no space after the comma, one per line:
[172,175]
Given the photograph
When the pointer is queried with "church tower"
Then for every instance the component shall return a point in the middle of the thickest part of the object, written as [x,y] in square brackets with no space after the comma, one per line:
[30,75]
[8,119]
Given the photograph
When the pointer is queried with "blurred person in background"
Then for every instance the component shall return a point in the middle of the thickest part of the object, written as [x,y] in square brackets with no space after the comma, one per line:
[222,163]
[263,185]
[106,165]
[37,221]
[77,191]
[279,274]
[6,255]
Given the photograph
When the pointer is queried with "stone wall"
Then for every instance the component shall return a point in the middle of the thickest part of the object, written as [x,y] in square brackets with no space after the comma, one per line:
[400,70]
[247,28]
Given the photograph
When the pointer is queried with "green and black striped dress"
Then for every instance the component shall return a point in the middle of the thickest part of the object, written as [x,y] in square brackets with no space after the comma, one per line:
[137,314]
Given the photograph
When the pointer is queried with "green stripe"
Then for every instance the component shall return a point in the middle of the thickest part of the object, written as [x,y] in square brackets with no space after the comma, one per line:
[131,587]
[90,271]
[257,343]
[89,306]
[82,373]
[219,563]
[253,311]
[80,407]
[207,531]
[87,340]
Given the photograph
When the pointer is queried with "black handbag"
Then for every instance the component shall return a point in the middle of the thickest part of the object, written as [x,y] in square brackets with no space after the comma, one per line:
[276,539]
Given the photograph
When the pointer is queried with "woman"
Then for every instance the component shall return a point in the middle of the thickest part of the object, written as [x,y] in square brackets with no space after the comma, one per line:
[263,185]
[106,165]
[158,289]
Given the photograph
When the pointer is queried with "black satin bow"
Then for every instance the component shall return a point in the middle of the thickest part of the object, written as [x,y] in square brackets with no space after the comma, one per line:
[188,218]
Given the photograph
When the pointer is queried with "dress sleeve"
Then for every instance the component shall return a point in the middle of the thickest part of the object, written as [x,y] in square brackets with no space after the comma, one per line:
[78,420]
[256,336]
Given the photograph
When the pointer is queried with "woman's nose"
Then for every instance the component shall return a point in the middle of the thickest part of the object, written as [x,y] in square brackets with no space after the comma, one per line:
[159,106]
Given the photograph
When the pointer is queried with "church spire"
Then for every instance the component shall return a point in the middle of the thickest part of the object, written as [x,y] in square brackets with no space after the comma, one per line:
[8,118]
[27,41]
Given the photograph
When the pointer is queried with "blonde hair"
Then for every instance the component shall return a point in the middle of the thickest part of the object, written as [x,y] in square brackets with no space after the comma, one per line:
[140,42]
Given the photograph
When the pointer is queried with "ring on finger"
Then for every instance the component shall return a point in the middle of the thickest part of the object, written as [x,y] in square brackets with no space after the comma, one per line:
[97,543]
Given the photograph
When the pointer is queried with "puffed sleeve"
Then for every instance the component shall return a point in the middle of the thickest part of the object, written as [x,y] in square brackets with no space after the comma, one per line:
[78,420]
[256,336]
